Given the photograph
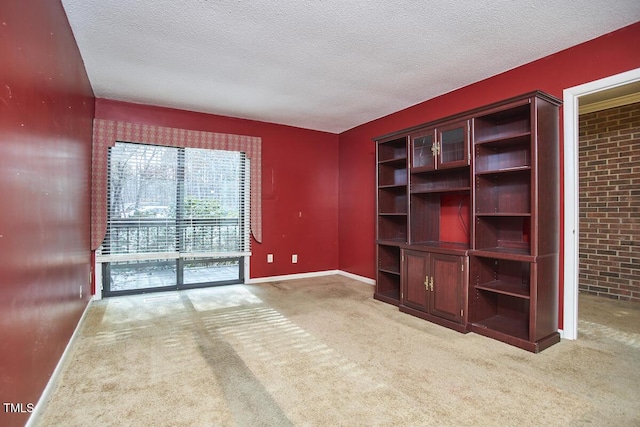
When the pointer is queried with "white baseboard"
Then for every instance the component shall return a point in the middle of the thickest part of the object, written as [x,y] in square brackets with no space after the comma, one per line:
[291,276]
[309,275]
[356,277]
[51,384]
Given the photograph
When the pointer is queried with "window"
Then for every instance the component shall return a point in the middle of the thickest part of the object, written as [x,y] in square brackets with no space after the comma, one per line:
[177,217]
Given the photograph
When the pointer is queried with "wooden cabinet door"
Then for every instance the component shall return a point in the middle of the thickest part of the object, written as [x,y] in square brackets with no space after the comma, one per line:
[445,296]
[453,145]
[423,150]
[414,292]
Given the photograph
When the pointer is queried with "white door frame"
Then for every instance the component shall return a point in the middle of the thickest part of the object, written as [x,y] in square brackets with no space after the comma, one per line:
[571,220]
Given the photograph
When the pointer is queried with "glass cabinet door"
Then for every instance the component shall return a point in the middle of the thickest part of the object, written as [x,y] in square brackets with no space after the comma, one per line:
[453,145]
[423,151]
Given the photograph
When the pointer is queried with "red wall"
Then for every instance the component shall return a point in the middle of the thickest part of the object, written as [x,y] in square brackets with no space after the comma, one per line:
[607,55]
[46,111]
[299,184]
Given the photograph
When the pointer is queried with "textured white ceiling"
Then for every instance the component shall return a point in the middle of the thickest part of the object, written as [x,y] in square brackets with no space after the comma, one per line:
[326,65]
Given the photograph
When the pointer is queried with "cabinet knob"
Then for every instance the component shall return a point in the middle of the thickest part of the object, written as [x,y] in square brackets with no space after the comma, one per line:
[426,283]
[431,283]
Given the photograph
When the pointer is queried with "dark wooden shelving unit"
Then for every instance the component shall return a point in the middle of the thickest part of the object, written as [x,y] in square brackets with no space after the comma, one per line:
[393,215]
[514,261]
[435,261]
[468,221]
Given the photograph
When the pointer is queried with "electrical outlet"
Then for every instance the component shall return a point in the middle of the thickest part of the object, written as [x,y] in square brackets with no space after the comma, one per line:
[294,258]
[269,258]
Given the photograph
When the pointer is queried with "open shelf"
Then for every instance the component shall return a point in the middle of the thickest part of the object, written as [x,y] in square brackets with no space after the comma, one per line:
[392,200]
[392,227]
[440,217]
[509,254]
[392,187]
[501,313]
[504,325]
[504,170]
[505,234]
[508,277]
[503,192]
[503,124]
[391,242]
[389,259]
[394,163]
[440,180]
[444,190]
[388,287]
[504,154]
[393,150]
[505,288]
[388,276]
[504,140]
[503,214]
[392,174]
[391,297]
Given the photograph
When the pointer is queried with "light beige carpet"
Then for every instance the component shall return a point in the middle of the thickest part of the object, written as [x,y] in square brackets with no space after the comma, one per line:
[320,352]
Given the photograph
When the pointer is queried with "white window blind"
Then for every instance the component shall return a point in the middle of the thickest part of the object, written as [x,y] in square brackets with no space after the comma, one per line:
[214,200]
[170,202]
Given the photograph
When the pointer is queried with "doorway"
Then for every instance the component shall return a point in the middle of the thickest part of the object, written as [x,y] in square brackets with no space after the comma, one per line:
[621,86]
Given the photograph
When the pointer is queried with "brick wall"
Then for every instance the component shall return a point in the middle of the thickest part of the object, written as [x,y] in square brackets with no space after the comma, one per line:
[609,157]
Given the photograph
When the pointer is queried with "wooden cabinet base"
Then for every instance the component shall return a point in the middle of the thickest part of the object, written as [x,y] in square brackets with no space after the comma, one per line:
[434,319]
[390,297]
[532,346]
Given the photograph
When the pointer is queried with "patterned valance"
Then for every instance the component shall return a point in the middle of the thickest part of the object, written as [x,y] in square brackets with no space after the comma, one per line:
[107,132]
